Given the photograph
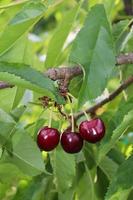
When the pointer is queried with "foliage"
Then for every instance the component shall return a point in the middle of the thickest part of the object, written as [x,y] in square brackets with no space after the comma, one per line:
[38,35]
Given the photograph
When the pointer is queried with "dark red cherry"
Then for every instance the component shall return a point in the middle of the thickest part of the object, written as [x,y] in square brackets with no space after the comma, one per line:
[71,142]
[48,138]
[93,130]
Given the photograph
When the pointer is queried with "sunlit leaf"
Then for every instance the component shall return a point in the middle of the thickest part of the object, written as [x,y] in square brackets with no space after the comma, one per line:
[93,49]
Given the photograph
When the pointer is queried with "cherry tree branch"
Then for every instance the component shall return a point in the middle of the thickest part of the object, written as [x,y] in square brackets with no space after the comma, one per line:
[112,96]
[66,74]
[124,59]
[4,85]
[128,7]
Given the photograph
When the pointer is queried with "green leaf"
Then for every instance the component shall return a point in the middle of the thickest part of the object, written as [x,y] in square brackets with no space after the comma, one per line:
[123,182]
[6,129]
[5,117]
[121,32]
[118,28]
[116,155]
[64,169]
[93,49]
[75,85]
[9,172]
[89,154]
[39,123]
[3,190]
[112,8]
[6,101]
[24,55]
[20,24]
[117,133]
[20,52]
[127,71]
[8,13]
[109,167]
[25,155]
[85,187]
[101,184]
[130,195]
[29,191]
[60,36]
[7,125]
[18,96]
[67,195]
[18,112]
[27,77]
[1,151]
[123,109]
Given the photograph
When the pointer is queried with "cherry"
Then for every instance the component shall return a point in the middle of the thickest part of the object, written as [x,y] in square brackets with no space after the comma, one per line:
[71,142]
[93,130]
[48,138]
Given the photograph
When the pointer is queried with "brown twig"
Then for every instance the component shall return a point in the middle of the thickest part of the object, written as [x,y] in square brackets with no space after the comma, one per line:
[4,85]
[65,74]
[128,7]
[125,59]
[114,94]
[60,73]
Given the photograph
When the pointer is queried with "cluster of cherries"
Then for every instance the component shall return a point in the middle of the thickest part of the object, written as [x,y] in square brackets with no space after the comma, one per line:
[72,142]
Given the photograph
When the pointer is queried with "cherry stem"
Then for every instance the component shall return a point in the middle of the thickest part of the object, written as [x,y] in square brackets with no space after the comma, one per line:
[72,116]
[50,118]
[67,117]
[85,113]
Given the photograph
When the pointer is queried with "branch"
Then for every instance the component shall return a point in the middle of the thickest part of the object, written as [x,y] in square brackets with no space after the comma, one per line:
[4,85]
[128,7]
[70,72]
[112,95]
[66,74]
[125,59]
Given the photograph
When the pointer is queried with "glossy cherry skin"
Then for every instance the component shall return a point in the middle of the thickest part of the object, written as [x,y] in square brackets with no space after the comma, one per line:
[71,142]
[93,130]
[48,138]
